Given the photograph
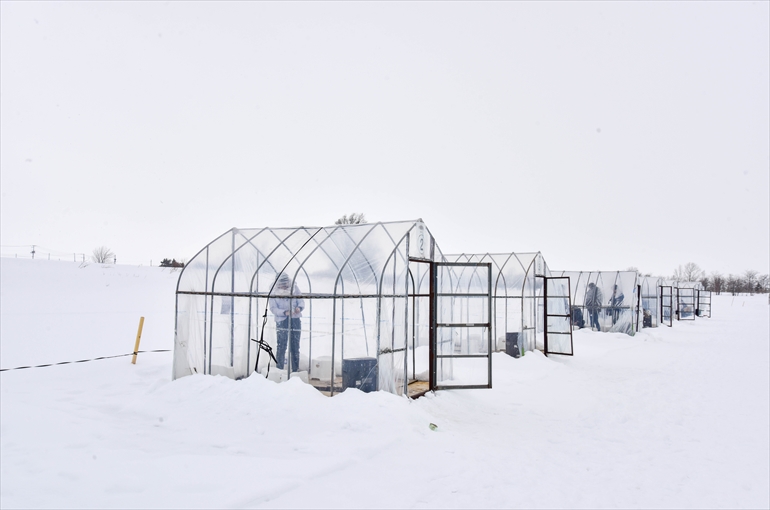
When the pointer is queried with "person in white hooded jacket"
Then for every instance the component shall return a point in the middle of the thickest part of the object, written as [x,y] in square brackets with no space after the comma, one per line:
[288,324]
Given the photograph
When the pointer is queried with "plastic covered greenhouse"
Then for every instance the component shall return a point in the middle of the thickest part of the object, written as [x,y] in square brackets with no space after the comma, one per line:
[373,306]
[604,300]
[652,300]
[527,314]
[691,300]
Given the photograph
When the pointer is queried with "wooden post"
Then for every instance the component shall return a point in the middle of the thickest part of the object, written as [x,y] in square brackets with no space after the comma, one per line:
[138,337]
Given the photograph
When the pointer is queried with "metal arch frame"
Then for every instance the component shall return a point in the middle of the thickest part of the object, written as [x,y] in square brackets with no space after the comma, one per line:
[597,277]
[500,268]
[334,303]
[205,304]
[406,261]
[532,279]
[456,288]
[319,246]
[209,283]
[281,242]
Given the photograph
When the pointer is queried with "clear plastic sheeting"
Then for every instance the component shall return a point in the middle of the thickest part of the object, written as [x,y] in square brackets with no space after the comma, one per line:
[604,300]
[558,330]
[686,303]
[517,297]
[463,354]
[651,300]
[340,306]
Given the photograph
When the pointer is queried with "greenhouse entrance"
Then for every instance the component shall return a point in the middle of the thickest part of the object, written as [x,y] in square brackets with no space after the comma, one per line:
[666,300]
[449,314]
[461,327]
[375,307]
[704,304]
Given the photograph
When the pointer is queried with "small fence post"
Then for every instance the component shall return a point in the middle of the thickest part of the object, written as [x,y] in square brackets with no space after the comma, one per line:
[138,337]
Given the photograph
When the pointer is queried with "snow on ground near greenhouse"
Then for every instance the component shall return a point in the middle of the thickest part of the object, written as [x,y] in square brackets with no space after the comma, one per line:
[674,417]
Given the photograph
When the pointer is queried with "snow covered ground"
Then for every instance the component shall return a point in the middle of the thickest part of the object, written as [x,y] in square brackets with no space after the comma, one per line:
[672,417]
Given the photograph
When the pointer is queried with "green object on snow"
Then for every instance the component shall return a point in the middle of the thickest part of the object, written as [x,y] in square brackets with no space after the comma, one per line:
[433,426]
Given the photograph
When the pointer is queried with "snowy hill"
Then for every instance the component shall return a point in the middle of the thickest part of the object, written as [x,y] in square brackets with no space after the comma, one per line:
[672,417]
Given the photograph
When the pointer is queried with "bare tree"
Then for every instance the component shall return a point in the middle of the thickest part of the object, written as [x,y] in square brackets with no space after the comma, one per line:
[763,283]
[750,280]
[733,284]
[102,254]
[351,219]
[716,282]
[691,272]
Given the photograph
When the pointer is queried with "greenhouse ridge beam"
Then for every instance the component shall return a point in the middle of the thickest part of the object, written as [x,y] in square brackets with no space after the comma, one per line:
[303,296]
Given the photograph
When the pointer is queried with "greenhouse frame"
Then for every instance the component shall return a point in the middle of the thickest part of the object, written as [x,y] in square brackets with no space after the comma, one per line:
[373,306]
[692,300]
[604,300]
[527,313]
[651,300]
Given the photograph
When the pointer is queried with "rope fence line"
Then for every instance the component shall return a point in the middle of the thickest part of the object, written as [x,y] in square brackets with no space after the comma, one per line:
[30,250]
[83,360]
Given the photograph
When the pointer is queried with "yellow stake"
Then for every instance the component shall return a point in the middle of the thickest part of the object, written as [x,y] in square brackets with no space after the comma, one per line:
[138,337]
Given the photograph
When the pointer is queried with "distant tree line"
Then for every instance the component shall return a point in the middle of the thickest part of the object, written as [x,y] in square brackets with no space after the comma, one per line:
[750,282]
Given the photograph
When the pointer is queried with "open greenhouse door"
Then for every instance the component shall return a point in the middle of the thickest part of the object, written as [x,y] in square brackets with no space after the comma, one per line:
[556,316]
[685,304]
[666,300]
[704,304]
[461,329]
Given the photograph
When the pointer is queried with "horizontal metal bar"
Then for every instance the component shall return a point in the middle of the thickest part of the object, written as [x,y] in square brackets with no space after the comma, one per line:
[465,264]
[296,296]
[558,332]
[462,356]
[461,325]
[448,294]
[469,387]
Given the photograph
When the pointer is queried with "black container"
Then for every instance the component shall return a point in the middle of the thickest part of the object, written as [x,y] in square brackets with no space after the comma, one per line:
[512,347]
[359,373]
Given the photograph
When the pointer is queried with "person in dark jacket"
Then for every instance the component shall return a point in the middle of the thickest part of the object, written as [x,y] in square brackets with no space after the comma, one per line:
[616,301]
[288,325]
[593,302]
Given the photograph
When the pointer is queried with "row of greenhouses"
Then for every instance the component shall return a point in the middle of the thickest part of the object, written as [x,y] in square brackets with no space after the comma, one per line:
[378,306]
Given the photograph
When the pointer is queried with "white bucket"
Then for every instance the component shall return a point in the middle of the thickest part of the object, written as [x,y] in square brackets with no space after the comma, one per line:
[321,368]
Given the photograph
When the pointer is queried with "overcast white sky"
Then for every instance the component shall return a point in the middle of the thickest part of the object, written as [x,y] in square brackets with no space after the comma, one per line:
[604,134]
